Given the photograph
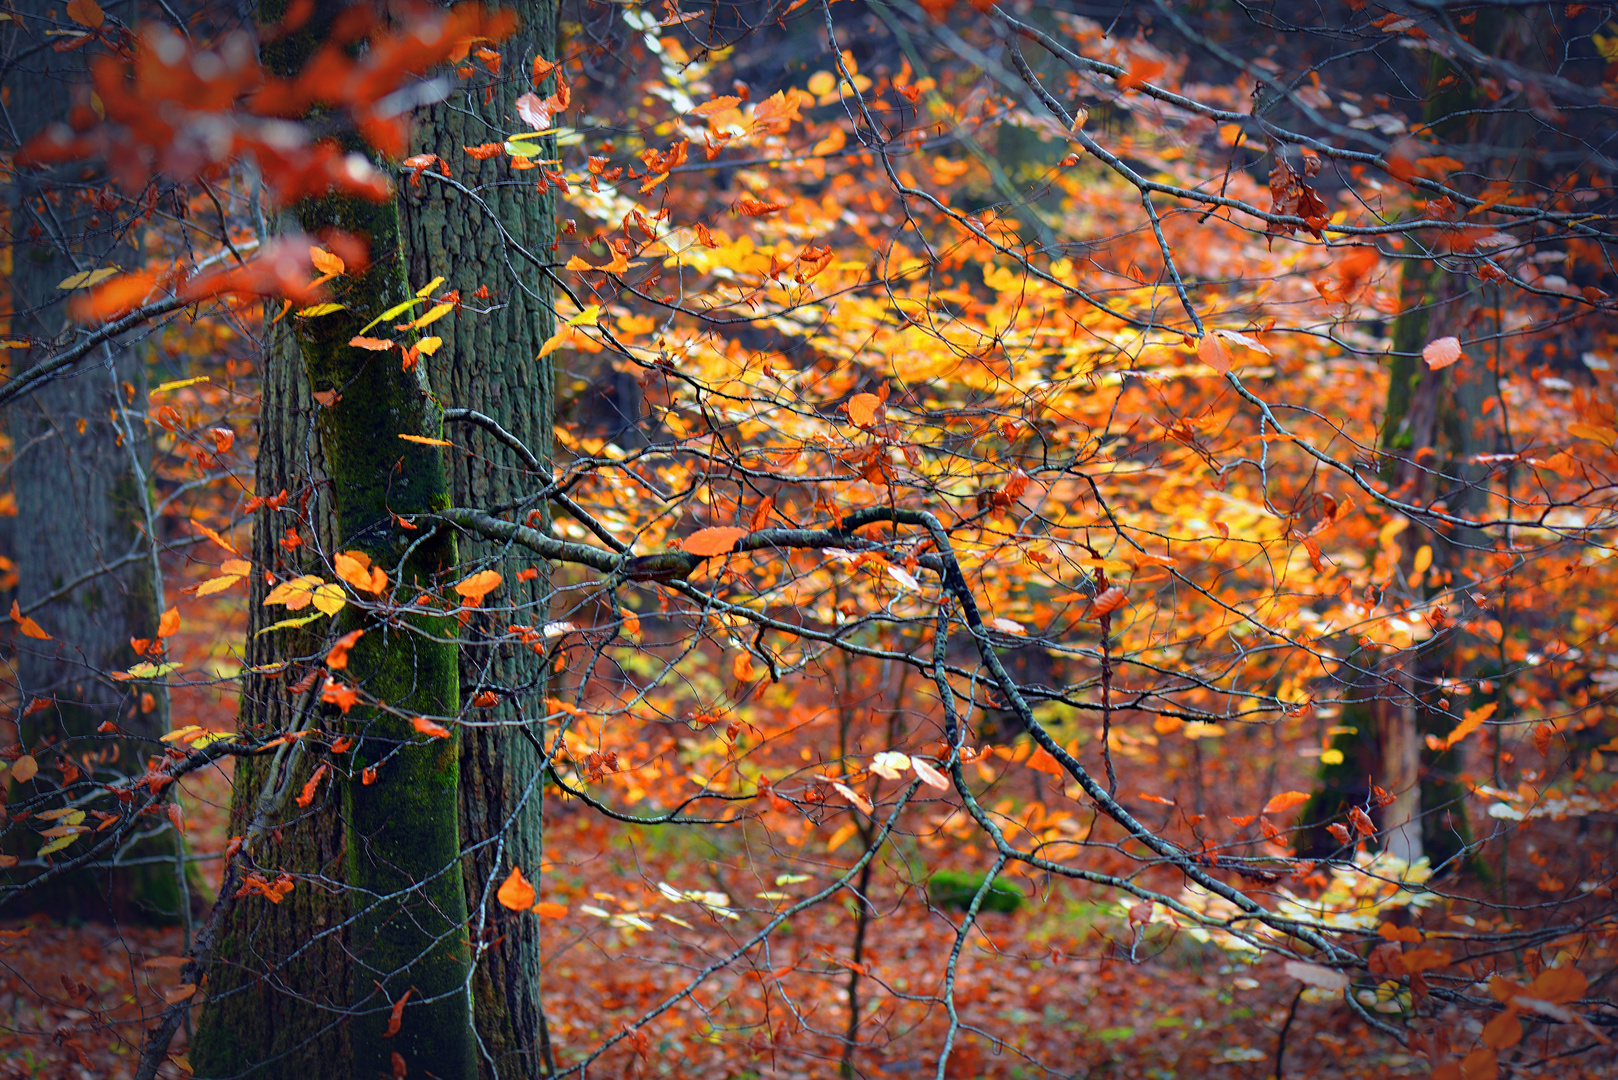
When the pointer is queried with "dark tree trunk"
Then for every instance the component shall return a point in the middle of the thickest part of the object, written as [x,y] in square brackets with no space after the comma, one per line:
[85,561]
[488,365]
[279,987]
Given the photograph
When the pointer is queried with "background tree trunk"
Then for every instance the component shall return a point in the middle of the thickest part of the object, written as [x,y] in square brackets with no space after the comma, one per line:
[488,364]
[84,559]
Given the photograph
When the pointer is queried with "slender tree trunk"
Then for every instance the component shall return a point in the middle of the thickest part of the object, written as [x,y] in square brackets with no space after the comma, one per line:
[488,365]
[83,550]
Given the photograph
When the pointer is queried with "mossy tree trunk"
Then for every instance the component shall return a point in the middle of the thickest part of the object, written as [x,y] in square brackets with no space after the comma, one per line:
[406,927]
[84,559]
[488,365]
[278,991]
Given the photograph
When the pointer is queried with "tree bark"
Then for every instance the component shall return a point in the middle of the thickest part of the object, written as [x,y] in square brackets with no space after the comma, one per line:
[488,365]
[84,555]
[278,989]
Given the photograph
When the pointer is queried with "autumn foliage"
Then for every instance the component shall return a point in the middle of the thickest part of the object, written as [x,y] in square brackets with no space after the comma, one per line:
[1072,544]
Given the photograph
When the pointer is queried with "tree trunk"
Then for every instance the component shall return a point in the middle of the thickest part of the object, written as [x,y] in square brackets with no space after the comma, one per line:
[278,989]
[488,365]
[84,555]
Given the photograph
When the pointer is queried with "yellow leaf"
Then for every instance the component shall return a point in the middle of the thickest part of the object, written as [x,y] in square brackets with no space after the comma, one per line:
[87,278]
[329,598]
[317,310]
[425,441]
[216,585]
[590,316]
[429,345]
[58,844]
[577,265]
[431,315]
[295,594]
[177,384]
[429,288]
[286,624]
[239,567]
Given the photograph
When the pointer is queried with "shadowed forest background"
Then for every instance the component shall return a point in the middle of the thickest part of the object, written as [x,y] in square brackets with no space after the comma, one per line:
[808,538]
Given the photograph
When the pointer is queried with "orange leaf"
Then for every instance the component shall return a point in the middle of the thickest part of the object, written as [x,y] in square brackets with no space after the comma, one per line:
[340,694]
[853,796]
[426,441]
[326,262]
[355,568]
[214,536]
[1442,353]
[396,1017]
[112,298]
[742,668]
[1559,985]
[486,699]
[372,343]
[484,151]
[716,540]
[1285,801]
[862,409]
[516,893]
[337,658]
[1160,800]
[1471,720]
[929,775]
[169,624]
[307,795]
[85,13]
[1503,1032]
[427,727]
[24,768]
[1339,832]
[1361,821]
[1400,933]
[545,909]
[1213,352]
[751,207]
[479,585]
[1110,600]
[1244,821]
[27,627]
